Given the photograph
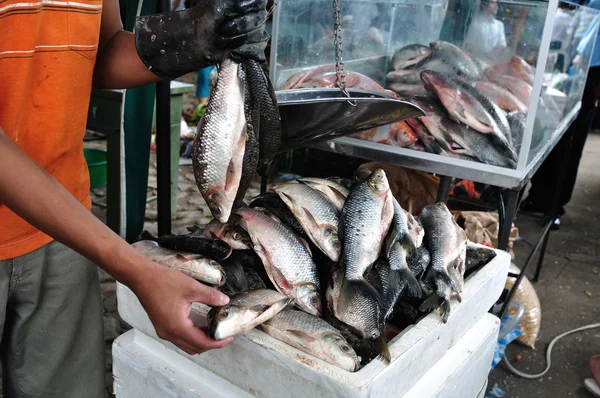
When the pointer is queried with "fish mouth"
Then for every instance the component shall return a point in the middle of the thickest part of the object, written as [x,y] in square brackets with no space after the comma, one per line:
[219,204]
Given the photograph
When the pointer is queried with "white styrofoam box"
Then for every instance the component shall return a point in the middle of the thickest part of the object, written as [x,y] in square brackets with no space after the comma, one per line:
[463,371]
[268,367]
[144,368]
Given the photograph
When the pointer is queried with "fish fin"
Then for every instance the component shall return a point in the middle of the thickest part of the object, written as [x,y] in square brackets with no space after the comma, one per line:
[301,337]
[430,303]
[412,286]
[269,313]
[259,308]
[390,240]
[352,288]
[279,280]
[445,310]
[383,349]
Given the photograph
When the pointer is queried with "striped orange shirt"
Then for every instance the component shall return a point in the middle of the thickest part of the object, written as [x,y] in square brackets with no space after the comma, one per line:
[47,55]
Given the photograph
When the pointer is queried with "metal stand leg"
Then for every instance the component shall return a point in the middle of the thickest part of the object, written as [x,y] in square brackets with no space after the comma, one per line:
[512,199]
[444,189]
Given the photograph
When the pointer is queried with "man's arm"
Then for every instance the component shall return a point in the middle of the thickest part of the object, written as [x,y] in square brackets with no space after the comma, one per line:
[166,295]
[118,64]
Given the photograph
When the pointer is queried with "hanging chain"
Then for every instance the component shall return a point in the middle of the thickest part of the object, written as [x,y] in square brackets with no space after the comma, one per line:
[337,42]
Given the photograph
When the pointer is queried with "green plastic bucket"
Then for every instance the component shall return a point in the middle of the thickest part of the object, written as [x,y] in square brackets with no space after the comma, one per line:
[96,162]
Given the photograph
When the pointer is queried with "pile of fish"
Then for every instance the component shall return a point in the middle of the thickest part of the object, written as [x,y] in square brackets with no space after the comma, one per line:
[239,134]
[473,111]
[328,266]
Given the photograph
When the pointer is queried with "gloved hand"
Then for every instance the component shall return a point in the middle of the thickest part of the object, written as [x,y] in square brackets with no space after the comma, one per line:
[175,43]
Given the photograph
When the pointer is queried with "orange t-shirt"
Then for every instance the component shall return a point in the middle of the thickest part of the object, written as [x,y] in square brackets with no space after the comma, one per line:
[47,55]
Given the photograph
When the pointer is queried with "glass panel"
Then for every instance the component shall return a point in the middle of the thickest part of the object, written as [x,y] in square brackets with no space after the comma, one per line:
[573,36]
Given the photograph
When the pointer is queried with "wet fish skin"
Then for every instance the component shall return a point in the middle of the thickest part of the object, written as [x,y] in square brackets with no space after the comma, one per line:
[263,94]
[245,311]
[316,213]
[273,203]
[209,247]
[193,265]
[249,260]
[446,243]
[504,98]
[287,260]
[409,90]
[429,142]
[454,56]
[334,191]
[229,232]
[419,260]
[345,182]
[476,257]
[409,55]
[364,222]
[235,278]
[518,87]
[218,150]
[407,76]
[517,121]
[251,153]
[314,336]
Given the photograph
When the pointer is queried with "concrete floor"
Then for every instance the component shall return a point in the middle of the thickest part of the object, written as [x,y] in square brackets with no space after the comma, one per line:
[571,267]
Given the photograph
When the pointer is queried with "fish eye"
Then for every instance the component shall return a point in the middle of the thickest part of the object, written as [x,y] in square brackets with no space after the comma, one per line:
[314,300]
[374,335]
[345,348]
[236,236]
[328,232]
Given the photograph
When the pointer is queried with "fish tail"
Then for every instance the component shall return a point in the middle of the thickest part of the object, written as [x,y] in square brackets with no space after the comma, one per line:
[445,310]
[430,303]
[382,348]
[412,286]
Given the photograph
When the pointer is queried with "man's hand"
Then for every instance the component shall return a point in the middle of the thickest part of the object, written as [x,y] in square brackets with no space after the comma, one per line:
[176,43]
[167,297]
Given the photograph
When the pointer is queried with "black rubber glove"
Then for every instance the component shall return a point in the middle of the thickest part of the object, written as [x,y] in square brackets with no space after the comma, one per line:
[175,43]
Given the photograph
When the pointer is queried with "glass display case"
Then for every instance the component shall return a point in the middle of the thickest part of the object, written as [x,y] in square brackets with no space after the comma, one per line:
[499,81]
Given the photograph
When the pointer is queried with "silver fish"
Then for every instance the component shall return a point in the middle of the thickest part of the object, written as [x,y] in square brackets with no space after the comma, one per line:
[229,232]
[218,151]
[245,311]
[447,244]
[364,223]
[317,215]
[460,61]
[409,55]
[287,260]
[334,191]
[314,336]
[193,265]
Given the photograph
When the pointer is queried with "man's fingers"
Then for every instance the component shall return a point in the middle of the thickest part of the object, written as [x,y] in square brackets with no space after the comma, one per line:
[243,23]
[208,295]
[198,339]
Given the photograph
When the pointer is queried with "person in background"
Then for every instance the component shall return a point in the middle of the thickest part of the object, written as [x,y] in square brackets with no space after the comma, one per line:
[486,36]
[545,181]
[203,85]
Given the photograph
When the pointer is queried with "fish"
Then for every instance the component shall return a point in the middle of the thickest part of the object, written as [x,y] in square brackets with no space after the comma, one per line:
[504,98]
[345,182]
[524,65]
[335,192]
[447,244]
[210,247]
[296,80]
[365,349]
[218,151]
[229,232]
[477,257]
[250,261]
[521,89]
[418,261]
[398,134]
[273,203]
[405,229]
[316,213]
[314,336]
[429,142]
[517,121]
[409,55]
[286,258]
[269,129]
[251,152]
[514,69]
[245,311]
[364,223]
[193,265]
[409,90]
[235,278]
[407,76]
[460,61]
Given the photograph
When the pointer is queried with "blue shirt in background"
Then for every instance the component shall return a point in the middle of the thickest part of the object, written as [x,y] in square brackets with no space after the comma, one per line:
[588,38]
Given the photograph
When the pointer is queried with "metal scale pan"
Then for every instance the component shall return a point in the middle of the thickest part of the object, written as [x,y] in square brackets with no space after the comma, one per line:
[320,114]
